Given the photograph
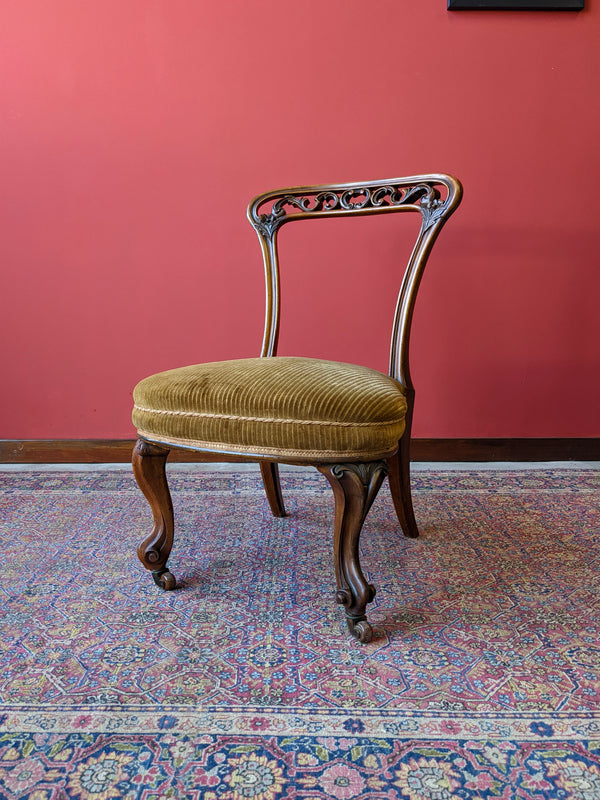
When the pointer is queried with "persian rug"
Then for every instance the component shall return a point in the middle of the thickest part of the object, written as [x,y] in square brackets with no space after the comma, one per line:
[482,680]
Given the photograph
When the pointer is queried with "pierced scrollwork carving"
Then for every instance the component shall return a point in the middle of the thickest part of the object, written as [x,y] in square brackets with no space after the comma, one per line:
[323,201]
[362,198]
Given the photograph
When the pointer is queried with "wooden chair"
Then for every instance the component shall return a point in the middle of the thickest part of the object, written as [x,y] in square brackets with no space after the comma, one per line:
[352,423]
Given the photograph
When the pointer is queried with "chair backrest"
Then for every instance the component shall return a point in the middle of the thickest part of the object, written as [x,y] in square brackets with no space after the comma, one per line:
[435,197]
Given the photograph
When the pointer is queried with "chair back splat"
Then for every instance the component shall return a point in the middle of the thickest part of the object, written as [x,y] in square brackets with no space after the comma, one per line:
[350,422]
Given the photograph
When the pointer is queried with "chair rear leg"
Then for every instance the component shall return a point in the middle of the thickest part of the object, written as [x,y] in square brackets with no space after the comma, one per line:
[399,479]
[149,470]
[270,475]
[355,486]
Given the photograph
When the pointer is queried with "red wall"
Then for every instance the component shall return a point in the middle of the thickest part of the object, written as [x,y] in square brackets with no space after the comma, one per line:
[134,132]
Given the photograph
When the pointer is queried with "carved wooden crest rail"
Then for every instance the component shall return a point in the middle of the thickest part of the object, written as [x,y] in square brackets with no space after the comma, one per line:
[373,198]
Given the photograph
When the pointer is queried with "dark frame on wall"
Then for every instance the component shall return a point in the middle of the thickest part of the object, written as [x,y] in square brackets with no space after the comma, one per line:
[516,5]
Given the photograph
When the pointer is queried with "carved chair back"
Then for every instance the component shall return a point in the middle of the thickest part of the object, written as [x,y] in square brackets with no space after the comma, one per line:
[435,197]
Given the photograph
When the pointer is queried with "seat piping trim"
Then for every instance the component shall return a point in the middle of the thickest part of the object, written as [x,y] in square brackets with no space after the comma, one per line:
[308,456]
[278,420]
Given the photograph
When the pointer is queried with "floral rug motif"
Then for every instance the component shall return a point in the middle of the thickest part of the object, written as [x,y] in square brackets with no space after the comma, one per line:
[482,679]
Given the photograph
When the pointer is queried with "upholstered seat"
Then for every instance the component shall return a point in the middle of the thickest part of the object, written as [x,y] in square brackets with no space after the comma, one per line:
[352,423]
[282,407]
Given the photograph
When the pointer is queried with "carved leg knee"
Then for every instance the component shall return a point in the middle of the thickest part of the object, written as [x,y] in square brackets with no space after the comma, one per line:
[355,486]
[149,469]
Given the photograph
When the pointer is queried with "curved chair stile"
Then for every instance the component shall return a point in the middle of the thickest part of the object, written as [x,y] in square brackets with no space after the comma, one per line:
[361,199]
[353,424]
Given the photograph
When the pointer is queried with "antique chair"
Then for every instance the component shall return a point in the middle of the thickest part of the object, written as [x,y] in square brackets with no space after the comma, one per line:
[350,422]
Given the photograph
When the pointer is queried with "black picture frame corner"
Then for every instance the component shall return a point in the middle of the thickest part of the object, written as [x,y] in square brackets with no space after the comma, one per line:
[516,5]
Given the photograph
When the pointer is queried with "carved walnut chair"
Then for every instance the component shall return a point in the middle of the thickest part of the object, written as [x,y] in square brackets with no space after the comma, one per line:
[352,423]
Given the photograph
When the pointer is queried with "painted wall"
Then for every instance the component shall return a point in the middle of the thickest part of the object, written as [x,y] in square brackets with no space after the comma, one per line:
[134,132]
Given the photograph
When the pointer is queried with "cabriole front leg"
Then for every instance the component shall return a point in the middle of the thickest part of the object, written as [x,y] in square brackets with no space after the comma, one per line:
[355,486]
[149,469]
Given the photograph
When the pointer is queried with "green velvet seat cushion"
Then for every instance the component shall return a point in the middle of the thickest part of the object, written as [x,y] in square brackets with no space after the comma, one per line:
[301,409]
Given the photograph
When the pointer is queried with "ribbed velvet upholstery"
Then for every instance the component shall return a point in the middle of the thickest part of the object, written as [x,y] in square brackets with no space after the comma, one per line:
[285,407]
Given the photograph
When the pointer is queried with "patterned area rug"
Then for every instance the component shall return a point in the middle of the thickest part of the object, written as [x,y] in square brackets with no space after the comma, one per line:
[482,680]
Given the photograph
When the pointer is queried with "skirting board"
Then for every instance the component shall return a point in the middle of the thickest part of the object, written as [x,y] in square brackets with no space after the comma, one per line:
[99,451]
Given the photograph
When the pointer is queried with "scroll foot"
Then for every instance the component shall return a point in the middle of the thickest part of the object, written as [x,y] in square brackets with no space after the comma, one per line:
[164,579]
[361,630]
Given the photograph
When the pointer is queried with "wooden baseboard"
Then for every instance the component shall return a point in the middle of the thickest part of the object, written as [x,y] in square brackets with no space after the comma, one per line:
[99,451]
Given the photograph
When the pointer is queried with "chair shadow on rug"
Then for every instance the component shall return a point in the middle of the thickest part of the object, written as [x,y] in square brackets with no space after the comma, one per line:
[350,422]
